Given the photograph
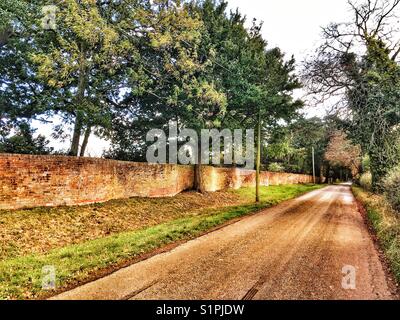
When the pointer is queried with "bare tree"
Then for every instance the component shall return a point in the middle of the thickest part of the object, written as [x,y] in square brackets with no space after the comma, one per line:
[356,69]
[330,73]
[341,152]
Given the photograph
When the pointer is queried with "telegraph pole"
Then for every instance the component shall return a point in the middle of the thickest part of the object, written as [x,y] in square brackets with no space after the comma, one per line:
[313,164]
[258,163]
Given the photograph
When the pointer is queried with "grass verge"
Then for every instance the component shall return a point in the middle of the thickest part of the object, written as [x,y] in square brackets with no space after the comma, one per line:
[21,276]
[386,224]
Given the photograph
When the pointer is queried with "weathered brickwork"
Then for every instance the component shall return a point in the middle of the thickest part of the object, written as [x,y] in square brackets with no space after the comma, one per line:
[29,181]
[214,179]
[32,181]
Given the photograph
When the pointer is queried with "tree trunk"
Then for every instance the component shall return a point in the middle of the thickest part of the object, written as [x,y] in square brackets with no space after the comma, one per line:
[258,163]
[4,36]
[79,100]
[321,174]
[198,183]
[76,137]
[328,173]
[88,131]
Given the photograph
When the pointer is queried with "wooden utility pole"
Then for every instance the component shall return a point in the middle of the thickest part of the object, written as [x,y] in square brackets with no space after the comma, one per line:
[258,163]
[313,165]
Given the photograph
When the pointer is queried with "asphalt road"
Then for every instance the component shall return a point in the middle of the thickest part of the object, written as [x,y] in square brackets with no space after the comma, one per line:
[313,247]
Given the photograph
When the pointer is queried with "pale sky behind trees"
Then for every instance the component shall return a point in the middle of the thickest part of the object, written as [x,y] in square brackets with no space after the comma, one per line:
[292,25]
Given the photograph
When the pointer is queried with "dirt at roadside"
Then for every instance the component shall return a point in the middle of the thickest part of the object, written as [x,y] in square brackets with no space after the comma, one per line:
[42,229]
[313,247]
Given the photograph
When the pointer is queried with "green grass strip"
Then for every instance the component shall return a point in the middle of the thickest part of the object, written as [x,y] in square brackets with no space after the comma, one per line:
[386,224]
[22,277]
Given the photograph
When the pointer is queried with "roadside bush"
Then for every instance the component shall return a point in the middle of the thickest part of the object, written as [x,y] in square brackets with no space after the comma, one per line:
[276,167]
[391,188]
[366,181]
[386,223]
[366,164]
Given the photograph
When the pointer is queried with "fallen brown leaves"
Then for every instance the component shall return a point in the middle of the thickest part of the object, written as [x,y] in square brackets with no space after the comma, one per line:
[42,229]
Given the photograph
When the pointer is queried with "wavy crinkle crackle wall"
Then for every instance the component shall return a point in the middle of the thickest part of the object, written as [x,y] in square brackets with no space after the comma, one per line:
[33,181]
[215,179]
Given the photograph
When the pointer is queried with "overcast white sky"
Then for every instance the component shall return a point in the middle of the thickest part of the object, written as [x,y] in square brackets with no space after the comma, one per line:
[292,25]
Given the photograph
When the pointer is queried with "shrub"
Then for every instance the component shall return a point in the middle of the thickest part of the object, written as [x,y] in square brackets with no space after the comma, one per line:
[366,181]
[391,188]
[276,167]
[366,164]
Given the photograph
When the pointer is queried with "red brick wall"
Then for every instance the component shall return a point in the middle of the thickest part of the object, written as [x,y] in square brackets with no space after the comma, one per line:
[32,181]
[215,179]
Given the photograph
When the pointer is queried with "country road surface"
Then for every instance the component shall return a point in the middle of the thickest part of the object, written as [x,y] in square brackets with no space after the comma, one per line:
[306,248]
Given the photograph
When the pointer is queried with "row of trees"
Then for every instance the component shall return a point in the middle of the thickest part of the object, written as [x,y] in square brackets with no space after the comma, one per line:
[357,68]
[289,148]
[116,69]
